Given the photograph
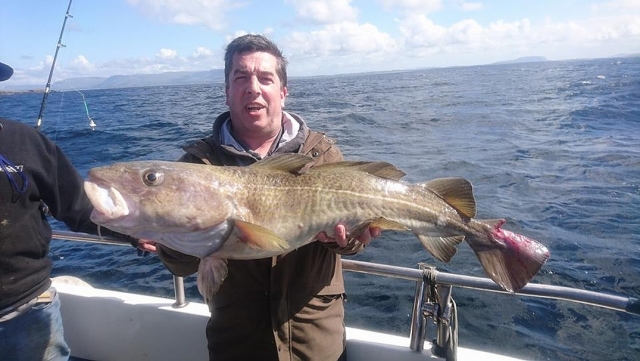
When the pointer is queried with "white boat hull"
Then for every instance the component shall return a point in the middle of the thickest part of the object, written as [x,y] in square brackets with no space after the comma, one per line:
[109,325]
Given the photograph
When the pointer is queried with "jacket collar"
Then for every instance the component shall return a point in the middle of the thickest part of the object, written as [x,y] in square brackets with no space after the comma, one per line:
[294,132]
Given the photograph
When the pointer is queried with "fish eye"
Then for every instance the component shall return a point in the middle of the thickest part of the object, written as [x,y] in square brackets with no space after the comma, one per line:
[152,178]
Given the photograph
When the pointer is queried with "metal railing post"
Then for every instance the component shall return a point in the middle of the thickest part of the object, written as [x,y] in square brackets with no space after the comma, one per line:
[444,334]
[178,287]
[418,329]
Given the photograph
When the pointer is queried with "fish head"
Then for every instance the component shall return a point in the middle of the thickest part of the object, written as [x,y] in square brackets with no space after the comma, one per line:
[173,203]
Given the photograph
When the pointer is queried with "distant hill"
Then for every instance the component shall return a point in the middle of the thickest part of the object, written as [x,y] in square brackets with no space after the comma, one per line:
[626,55]
[140,80]
[77,83]
[526,59]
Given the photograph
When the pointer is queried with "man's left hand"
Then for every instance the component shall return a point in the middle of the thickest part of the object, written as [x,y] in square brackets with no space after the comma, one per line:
[340,236]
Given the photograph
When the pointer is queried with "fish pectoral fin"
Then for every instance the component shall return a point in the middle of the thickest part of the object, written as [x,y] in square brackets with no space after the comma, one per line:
[211,273]
[442,248]
[259,237]
[457,192]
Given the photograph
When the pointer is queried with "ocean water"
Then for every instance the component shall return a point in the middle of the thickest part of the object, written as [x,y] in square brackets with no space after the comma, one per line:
[552,147]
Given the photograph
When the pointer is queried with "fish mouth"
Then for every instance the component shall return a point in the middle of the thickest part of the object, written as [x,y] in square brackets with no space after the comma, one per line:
[108,202]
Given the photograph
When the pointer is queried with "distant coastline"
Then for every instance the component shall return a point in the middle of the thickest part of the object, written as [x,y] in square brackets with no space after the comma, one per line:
[189,78]
[525,59]
[11,92]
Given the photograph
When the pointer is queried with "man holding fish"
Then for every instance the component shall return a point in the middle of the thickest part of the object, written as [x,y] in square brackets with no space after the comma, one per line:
[288,306]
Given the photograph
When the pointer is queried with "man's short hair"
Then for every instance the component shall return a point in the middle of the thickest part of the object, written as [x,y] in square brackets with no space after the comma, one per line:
[252,43]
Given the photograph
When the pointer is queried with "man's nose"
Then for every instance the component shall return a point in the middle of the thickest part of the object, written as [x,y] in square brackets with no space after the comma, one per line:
[254,85]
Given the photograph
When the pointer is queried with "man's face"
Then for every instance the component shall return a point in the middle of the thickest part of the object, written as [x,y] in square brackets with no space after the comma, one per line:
[255,94]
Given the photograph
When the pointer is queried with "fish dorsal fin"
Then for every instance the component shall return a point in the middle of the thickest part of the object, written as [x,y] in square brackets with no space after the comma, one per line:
[457,192]
[290,163]
[379,169]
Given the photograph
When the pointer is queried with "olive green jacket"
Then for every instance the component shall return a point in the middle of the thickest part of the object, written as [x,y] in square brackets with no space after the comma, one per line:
[288,307]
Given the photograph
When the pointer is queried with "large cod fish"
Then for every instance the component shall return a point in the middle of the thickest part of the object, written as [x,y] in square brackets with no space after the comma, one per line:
[279,204]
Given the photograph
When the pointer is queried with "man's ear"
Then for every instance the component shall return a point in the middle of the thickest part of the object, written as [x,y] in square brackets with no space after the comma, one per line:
[283,96]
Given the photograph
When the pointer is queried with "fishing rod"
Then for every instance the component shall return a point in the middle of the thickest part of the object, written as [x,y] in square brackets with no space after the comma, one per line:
[47,88]
[617,303]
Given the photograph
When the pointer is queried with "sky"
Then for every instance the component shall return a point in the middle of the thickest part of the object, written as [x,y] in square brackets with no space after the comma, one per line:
[122,37]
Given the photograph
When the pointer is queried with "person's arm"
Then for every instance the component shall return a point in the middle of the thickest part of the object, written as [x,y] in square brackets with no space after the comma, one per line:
[63,194]
[177,263]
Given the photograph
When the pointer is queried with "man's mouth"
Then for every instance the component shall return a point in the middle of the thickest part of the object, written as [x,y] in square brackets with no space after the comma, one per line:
[254,107]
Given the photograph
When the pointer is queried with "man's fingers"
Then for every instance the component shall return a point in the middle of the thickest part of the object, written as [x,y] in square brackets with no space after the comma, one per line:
[147,245]
[322,237]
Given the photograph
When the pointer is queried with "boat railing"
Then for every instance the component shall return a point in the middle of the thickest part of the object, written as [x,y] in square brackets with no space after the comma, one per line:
[432,299]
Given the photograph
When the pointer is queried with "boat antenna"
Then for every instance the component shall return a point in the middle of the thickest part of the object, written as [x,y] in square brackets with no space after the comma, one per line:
[47,88]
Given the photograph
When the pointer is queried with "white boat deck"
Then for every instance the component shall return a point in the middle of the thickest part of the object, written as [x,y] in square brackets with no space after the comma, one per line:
[109,325]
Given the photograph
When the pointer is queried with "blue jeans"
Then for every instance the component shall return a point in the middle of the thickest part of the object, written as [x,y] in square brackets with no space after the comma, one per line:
[35,334]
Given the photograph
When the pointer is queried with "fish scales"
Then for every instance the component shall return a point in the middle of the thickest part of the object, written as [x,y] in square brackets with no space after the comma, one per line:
[350,201]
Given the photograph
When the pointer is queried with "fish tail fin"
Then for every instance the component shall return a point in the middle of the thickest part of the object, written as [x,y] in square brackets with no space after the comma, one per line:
[211,273]
[510,259]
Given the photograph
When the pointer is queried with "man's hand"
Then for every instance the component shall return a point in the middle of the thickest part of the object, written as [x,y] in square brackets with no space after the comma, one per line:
[146,245]
[340,234]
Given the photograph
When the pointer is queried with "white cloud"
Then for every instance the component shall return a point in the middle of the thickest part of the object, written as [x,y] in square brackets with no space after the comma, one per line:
[324,11]
[82,63]
[617,6]
[339,48]
[516,37]
[167,54]
[340,39]
[420,31]
[202,52]
[423,6]
[211,13]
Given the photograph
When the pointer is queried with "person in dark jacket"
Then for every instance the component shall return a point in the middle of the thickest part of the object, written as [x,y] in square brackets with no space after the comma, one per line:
[34,175]
[288,307]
